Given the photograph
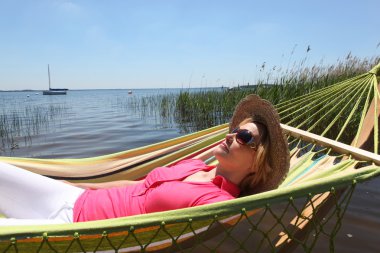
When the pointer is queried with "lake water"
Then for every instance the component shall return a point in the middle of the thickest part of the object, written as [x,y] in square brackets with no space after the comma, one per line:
[97,122]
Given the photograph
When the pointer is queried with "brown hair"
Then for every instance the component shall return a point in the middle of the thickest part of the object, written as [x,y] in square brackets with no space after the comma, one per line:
[253,182]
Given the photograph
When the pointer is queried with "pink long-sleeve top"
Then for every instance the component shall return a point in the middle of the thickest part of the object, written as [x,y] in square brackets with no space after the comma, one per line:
[162,190]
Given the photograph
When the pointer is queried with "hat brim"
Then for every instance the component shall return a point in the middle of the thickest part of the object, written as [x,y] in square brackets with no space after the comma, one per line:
[263,111]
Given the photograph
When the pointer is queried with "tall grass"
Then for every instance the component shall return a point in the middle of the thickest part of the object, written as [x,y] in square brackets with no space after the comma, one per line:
[160,108]
[21,124]
[192,111]
[196,111]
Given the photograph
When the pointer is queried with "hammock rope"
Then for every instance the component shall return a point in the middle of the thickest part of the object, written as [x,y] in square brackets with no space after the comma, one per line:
[336,107]
[364,91]
[320,168]
[376,127]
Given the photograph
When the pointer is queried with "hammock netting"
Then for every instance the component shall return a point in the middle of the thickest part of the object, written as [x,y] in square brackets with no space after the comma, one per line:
[307,208]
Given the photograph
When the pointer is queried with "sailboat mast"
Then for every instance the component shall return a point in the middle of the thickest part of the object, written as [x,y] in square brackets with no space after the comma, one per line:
[49,75]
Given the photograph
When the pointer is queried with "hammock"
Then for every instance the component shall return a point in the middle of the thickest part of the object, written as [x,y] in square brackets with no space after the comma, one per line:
[268,221]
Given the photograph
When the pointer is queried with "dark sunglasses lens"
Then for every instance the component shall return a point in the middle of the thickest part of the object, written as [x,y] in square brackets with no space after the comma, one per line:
[244,136]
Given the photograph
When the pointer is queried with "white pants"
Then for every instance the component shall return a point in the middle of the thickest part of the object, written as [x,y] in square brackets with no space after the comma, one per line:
[27,198]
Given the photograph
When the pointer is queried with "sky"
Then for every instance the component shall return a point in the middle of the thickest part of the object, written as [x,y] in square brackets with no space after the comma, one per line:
[99,44]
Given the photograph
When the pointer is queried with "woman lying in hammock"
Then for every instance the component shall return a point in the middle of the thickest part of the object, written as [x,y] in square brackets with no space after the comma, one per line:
[254,157]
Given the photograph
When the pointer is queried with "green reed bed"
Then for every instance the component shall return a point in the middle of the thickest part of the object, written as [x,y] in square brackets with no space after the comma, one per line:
[160,108]
[279,85]
[196,111]
[23,123]
[193,111]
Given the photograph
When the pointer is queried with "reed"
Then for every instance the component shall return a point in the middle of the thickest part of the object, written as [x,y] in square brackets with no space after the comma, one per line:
[159,108]
[191,110]
[23,123]
[200,110]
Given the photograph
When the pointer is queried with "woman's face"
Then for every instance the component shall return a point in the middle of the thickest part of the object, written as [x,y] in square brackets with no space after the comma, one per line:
[235,157]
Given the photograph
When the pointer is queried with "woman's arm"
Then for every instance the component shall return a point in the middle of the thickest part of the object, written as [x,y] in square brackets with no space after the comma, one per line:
[119,183]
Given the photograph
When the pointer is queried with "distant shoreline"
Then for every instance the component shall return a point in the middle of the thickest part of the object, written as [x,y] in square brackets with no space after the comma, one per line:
[191,88]
[20,90]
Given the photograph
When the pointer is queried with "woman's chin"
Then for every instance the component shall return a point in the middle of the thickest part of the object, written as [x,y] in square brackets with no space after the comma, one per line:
[220,155]
[219,152]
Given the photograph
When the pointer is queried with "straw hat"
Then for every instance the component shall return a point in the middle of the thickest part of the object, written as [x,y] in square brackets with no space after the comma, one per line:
[262,111]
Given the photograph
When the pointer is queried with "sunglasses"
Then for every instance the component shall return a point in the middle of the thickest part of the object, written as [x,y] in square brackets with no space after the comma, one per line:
[244,137]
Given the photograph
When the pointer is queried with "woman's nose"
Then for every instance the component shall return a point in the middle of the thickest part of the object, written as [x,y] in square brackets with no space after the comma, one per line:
[229,139]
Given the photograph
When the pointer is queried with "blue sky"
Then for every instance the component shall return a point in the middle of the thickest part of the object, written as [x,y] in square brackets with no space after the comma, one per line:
[163,44]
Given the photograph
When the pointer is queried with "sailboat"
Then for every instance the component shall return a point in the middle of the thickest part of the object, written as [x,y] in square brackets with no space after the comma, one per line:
[52,91]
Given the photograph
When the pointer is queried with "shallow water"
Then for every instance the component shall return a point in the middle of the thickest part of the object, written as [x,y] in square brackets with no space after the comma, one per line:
[91,123]
[98,122]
